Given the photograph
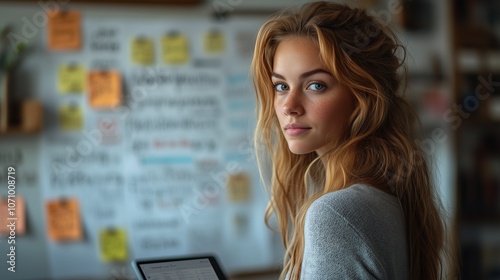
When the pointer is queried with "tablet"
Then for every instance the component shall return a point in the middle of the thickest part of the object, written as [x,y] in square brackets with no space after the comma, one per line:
[203,267]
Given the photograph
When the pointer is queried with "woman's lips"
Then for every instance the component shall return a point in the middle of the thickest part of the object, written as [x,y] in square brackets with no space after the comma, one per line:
[296,130]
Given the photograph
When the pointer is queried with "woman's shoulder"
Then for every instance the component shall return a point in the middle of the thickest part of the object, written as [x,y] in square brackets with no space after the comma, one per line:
[362,194]
[358,204]
[355,229]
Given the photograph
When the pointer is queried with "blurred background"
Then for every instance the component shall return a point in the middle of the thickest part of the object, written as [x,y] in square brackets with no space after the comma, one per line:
[125,128]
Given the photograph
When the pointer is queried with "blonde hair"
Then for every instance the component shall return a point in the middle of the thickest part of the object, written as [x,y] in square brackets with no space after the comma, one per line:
[377,148]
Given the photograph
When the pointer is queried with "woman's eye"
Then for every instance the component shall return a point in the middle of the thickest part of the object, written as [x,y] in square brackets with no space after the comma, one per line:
[316,86]
[280,87]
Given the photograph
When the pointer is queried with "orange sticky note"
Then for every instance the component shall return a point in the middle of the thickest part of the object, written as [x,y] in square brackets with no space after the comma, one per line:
[105,89]
[63,220]
[12,215]
[64,30]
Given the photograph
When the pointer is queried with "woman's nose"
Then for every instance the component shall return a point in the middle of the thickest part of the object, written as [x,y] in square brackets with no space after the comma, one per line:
[293,104]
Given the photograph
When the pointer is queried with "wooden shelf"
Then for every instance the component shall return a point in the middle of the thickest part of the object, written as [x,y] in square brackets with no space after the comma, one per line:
[482,122]
[17,131]
[473,232]
[481,221]
[135,2]
[473,60]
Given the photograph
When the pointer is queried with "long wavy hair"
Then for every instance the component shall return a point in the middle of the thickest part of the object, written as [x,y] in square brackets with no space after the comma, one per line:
[377,149]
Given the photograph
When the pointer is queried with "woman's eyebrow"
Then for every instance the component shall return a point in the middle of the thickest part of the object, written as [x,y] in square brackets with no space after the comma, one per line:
[276,75]
[304,75]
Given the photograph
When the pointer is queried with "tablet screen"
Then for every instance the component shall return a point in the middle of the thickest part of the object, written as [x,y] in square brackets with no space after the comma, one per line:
[203,268]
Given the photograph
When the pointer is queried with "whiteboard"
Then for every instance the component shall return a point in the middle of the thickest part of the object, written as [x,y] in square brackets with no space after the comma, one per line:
[157,166]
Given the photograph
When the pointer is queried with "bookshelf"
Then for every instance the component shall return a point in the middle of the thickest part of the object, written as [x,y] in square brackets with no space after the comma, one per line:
[476,123]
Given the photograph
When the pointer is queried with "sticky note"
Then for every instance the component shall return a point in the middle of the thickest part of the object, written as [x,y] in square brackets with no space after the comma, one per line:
[238,186]
[113,245]
[63,220]
[71,78]
[105,89]
[214,42]
[175,49]
[12,215]
[142,51]
[64,30]
[70,117]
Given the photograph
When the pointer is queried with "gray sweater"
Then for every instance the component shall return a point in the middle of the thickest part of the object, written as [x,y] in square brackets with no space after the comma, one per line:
[355,233]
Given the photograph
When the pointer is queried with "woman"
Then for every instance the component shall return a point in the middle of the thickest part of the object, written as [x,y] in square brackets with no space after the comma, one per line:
[350,189]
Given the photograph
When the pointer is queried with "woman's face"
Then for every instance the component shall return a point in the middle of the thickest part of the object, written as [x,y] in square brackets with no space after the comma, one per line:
[312,107]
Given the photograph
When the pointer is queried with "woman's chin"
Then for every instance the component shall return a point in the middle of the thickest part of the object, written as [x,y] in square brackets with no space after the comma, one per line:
[298,150]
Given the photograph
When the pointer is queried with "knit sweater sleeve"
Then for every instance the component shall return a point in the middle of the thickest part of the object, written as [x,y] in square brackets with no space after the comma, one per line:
[334,248]
[355,233]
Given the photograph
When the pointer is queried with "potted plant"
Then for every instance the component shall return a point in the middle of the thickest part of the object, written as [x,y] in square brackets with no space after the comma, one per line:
[9,57]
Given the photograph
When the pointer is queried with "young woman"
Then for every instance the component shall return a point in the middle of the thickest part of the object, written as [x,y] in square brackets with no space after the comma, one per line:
[350,189]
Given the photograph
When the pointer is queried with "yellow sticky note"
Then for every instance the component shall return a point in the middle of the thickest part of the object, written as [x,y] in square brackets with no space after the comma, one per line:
[63,220]
[238,186]
[175,49]
[142,51]
[71,78]
[214,42]
[105,89]
[12,213]
[113,245]
[64,30]
[70,117]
